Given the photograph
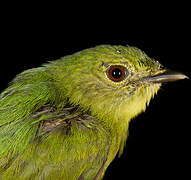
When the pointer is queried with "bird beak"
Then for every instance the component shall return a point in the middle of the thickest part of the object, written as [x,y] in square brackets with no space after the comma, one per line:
[165,76]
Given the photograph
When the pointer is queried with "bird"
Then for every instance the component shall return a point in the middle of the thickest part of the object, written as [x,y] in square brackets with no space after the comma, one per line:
[68,119]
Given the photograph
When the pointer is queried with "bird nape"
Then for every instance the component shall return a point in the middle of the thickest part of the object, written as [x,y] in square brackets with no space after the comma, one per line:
[69,118]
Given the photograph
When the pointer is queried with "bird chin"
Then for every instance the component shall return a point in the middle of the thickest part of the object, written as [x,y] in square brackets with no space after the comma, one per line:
[139,100]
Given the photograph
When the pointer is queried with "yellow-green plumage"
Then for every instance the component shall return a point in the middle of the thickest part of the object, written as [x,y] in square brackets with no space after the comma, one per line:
[67,119]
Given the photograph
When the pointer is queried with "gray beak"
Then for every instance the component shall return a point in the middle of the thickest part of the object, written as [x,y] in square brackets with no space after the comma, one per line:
[166,76]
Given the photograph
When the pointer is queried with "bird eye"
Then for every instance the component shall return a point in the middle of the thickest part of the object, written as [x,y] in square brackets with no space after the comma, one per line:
[117,73]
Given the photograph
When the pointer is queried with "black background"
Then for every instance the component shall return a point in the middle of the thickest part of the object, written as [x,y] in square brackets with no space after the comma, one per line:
[159,139]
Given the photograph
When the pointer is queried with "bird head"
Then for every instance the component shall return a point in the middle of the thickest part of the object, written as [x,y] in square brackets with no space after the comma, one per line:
[113,82]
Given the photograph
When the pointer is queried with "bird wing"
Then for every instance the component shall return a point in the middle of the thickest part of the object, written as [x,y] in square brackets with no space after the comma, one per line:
[28,92]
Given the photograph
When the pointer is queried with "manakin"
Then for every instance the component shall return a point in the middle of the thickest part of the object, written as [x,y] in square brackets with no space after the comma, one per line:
[68,119]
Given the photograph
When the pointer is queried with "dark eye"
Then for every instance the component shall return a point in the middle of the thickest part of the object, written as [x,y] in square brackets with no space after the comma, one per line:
[117,73]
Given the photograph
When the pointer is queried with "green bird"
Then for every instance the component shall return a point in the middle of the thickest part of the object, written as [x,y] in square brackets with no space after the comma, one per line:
[69,118]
